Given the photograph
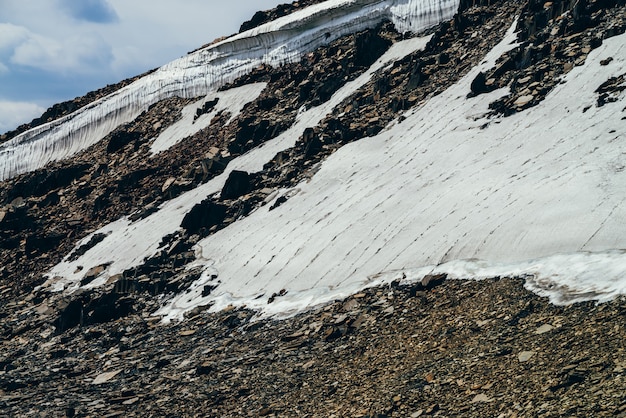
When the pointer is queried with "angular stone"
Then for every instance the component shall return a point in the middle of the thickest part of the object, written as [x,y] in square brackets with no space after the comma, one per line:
[433,280]
[105,377]
[119,139]
[237,185]
[203,215]
[544,328]
[524,356]
[524,100]
[167,184]
[481,397]
[92,273]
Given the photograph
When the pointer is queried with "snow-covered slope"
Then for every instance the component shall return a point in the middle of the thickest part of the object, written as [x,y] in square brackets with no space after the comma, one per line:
[281,41]
[439,188]
[231,101]
[540,193]
[128,243]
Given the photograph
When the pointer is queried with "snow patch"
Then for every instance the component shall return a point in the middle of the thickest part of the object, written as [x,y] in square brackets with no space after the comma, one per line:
[128,243]
[231,101]
[535,194]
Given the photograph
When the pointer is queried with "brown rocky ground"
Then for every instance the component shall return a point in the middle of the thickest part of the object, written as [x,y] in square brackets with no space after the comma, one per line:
[485,348]
[458,348]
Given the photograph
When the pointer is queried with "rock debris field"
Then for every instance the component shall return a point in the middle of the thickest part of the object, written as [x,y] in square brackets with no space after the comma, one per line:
[85,299]
[451,348]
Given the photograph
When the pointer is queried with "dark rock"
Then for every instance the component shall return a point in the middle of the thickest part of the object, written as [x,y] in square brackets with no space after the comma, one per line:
[105,308]
[417,76]
[81,193]
[93,273]
[215,165]
[369,46]
[43,181]
[570,378]
[70,316]
[267,103]
[203,215]
[606,61]
[101,202]
[252,132]
[432,281]
[258,19]
[131,180]
[42,243]
[204,369]
[312,142]
[120,138]
[323,91]
[206,108]
[278,202]
[18,220]
[207,289]
[610,90]
[51,199]
[237,184]
[478,85]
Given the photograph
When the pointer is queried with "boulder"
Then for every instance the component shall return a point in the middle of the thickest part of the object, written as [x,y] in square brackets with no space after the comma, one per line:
[119,139]
[203,215]
[237,185]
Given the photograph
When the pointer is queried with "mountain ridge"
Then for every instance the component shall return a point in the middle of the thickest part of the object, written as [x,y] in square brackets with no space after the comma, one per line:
[199,208]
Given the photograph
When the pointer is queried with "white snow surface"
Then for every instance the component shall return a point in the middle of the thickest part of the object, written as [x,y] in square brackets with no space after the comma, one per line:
[197,74]
[128,243]
[231,101]
[540,194]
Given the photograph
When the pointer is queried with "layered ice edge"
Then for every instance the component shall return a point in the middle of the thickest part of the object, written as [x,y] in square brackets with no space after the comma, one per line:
[281,41]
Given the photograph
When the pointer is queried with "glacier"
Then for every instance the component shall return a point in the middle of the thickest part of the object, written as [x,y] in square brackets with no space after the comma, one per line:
[274,43]
[539,194]
[128,243]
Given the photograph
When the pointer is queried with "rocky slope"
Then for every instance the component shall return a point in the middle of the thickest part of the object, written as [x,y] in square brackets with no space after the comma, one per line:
[444,348]
[486,348]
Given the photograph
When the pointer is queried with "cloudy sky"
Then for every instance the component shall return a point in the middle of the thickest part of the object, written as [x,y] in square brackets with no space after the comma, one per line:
[55,50]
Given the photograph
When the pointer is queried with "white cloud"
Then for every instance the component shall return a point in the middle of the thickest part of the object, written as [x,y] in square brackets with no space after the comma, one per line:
[11,35]
[85,54]
[13,114]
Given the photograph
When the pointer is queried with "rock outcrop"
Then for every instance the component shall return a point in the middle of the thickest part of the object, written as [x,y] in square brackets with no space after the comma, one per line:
[436,347]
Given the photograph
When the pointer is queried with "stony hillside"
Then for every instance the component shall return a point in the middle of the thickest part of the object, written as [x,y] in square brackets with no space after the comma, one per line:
[451,349]
[92,343]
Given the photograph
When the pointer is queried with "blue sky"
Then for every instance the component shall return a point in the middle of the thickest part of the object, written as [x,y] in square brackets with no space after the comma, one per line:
[55,50]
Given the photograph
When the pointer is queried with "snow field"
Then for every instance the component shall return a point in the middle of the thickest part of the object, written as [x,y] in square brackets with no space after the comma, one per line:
[128,243]
[539,194]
